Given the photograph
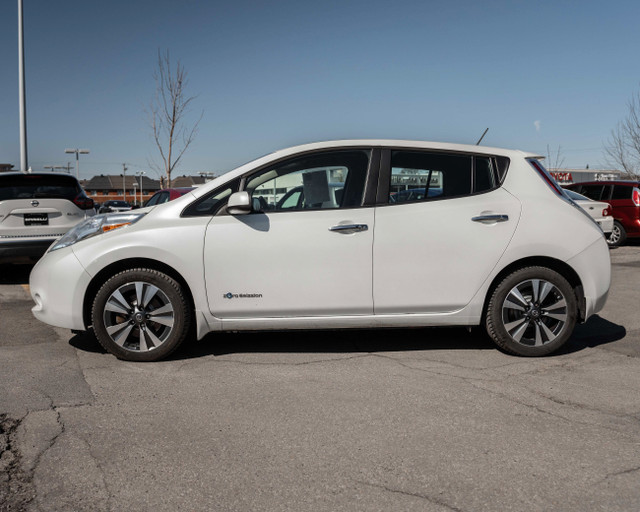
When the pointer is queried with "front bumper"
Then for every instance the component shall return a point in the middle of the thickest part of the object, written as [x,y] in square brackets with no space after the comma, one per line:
[57,284]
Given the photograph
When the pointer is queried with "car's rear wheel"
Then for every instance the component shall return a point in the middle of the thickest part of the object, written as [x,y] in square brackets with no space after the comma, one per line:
[532,312]
[617,236]
[141,315]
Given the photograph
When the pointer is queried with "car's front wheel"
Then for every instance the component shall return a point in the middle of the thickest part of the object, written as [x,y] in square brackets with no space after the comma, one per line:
[532,312]
[141,315]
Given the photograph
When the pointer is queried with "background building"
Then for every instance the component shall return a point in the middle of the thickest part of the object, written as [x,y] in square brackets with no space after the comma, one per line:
[568,176]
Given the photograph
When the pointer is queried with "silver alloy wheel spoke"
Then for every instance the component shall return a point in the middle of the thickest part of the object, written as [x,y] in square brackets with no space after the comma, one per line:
[547,332]
[149,293]
[143,342]
[113,305]
[120,332]
[539,341]
[517,323]
[518,296]
[535,286]
[517,335]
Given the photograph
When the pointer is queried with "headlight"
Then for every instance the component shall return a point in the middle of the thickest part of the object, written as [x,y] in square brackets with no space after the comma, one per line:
[96,226]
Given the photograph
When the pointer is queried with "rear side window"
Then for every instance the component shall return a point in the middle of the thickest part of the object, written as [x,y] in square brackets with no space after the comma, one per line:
[595,192]
[419,176]
[621,192]
[32,186]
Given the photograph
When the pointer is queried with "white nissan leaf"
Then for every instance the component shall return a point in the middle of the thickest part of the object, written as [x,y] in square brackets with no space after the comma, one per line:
[329,235]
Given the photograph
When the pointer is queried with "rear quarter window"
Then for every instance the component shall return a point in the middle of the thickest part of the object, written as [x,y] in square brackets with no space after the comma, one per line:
[621,192]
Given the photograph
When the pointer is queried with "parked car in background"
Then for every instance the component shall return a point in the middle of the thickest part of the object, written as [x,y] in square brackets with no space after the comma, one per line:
[601,212]
[480,253]
[37,208]
[624,199]
[114,206]
[166,195]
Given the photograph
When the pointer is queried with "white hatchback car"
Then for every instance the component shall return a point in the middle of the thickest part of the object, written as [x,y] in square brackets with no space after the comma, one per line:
[490,240]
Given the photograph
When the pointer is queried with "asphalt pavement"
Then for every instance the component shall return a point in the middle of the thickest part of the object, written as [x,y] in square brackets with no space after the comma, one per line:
[415,419]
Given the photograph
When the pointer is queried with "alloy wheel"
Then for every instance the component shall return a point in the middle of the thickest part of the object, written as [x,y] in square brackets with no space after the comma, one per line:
[138,316]
[534,312]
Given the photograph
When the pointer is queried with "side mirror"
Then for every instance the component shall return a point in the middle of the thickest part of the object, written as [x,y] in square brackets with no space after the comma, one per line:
[239,203]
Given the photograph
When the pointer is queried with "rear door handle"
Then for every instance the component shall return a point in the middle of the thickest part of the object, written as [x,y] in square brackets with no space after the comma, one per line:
[491,219]
[345,229]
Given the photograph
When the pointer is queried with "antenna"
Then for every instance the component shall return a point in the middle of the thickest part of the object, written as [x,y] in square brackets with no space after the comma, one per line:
[480,139]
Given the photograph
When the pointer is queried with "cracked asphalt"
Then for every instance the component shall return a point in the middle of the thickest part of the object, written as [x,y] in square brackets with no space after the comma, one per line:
[417,419]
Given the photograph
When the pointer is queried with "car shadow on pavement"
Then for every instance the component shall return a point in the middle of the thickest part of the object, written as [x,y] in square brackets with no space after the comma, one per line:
[594,332]
[336,341]
[14,274]
[597,331]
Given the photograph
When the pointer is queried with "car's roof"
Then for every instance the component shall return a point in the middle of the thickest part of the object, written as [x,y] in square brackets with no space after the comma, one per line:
[420,144]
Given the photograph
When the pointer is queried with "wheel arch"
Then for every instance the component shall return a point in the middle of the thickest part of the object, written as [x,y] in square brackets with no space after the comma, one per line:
[559,266]
[127,264]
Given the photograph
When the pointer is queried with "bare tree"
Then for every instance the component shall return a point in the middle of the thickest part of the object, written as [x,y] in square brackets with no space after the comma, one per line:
[623,146]
[555,159]
[166,114]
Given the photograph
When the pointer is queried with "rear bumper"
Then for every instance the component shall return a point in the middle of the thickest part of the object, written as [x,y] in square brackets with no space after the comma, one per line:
[593,266]
[14,249]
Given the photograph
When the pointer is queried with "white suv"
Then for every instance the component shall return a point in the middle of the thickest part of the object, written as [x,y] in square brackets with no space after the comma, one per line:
[37,208]
[489,240]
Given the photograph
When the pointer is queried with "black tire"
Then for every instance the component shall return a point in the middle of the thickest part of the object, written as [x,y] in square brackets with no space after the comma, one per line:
[529,319]
[618,236]
[141,315]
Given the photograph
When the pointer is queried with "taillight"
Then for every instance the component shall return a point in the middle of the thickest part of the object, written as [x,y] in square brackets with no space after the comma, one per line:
[636,197]
[83,202]
[606,212]
[547,177]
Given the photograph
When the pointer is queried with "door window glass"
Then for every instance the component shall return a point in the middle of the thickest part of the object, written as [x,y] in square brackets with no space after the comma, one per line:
[621,192]
[212,202]
[319,181]
[420,176]
[592,191]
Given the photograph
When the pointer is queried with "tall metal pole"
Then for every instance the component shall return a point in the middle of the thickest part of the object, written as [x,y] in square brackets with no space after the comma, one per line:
[124,190]
[23,106]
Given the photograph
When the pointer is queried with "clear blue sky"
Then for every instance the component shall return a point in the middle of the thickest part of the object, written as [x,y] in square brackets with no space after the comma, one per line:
[269,75]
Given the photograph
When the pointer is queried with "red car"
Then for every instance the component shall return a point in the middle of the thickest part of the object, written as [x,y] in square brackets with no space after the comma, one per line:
[166,195]
[624,198]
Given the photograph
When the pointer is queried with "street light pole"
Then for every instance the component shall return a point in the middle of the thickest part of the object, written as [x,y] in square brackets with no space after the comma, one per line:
[124,189]
[141,173]
[77,152]
[21,88]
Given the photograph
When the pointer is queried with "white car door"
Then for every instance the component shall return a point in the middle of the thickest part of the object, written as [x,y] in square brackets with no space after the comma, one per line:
[311,256]
[432,254]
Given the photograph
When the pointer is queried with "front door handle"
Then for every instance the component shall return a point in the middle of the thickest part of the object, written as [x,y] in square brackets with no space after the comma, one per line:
[345,229]
[491,219]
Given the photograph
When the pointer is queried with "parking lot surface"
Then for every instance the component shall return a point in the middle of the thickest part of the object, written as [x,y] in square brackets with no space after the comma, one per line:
[416,419]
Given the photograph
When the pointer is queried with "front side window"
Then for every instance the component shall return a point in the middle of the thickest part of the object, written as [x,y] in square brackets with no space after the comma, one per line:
[319,181]
[417,176]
